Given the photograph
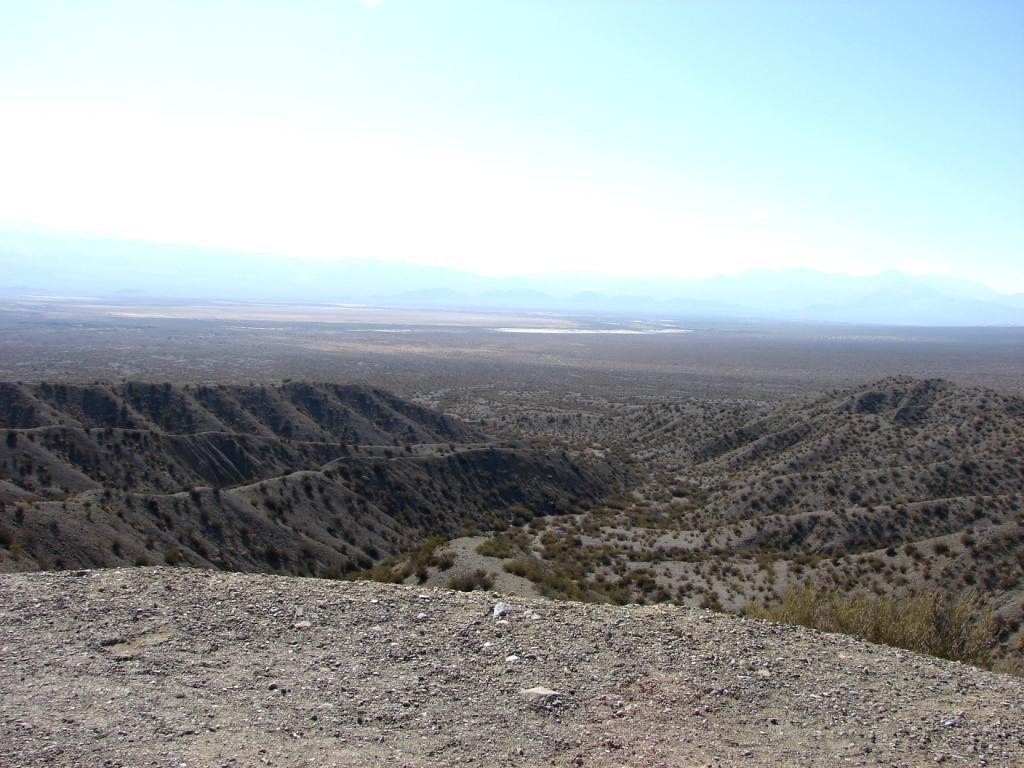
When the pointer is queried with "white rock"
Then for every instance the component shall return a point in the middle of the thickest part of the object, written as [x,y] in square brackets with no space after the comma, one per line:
[539,694]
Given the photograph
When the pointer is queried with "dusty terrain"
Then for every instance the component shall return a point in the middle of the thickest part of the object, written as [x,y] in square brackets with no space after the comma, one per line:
[179,667]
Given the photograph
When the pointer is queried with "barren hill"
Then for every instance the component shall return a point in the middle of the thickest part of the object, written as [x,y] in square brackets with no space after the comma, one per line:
[893,486]
[157,667]
[310,479]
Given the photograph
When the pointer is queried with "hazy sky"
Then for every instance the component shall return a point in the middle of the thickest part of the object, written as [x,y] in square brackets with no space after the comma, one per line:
[684,138]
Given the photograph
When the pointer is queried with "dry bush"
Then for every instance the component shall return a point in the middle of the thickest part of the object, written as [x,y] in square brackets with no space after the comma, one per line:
[960,628]
[551,579]
[384,573]
[530,569]
[496,546]
[471,581]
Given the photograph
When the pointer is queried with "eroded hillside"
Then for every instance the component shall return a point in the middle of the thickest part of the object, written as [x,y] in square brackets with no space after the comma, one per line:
[303,478]
[893,487]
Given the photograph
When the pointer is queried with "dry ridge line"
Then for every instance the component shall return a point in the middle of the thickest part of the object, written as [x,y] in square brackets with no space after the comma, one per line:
[182,667]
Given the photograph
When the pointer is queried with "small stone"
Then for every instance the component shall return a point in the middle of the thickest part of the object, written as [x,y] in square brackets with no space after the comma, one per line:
[500,609]
[539,695]
[511,658]
[302,625]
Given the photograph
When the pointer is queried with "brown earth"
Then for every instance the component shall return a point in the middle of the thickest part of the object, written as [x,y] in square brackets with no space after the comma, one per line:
[180,667]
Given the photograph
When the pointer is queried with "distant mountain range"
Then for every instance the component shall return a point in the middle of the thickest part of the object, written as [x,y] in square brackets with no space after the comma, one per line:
[49,263]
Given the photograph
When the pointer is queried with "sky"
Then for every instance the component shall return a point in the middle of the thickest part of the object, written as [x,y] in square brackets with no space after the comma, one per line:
[524,136]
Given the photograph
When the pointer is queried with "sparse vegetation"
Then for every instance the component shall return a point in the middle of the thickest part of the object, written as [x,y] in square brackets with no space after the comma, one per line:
[960,628]
[172,556]
[893,489]
[472,581]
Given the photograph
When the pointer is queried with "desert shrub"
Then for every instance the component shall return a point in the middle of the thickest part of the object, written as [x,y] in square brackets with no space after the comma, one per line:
[383,573]
[960,628]
[1010,666]
[496,546]
[468,582]
[526,569]
[172,556]
[426,555]
[275,558]
[551,579]
[444,561]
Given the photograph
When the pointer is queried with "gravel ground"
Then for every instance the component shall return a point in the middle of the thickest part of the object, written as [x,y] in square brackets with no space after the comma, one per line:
[177,667]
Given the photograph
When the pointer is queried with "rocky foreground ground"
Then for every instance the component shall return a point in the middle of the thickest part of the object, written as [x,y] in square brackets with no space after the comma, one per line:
[176,667]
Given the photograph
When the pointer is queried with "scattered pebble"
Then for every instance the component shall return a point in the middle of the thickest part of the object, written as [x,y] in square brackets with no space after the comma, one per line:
[607,686]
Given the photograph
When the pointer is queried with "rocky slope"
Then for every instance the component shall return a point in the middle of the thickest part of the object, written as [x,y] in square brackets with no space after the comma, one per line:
[895,486]
[158,667]
[308,479]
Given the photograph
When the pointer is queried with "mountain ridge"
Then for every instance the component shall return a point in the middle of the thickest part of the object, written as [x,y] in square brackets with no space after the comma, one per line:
[301,478]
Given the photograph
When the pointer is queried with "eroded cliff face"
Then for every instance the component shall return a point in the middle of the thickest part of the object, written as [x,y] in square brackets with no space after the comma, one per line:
[147,666]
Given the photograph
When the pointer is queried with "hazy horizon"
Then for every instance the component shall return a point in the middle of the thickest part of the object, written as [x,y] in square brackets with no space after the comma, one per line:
[40,264]
[79,236]
[680,140]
